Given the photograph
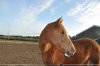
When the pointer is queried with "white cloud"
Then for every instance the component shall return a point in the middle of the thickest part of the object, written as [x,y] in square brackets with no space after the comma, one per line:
[29,15]
[27,20]
[81,7]
[91,15]
[86,13]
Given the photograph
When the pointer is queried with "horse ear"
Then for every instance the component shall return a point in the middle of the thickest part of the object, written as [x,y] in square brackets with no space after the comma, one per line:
[59,21]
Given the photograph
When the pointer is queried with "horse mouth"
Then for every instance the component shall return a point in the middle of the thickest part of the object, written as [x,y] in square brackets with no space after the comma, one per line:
[69,54]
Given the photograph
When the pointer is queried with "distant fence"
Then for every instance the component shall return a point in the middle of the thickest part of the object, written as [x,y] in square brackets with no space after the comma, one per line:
[20,38]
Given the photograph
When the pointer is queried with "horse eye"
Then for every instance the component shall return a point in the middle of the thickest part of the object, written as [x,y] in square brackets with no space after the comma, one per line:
[62,32]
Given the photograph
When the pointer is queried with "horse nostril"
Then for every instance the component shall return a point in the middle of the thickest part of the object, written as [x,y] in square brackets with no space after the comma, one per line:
[68,53]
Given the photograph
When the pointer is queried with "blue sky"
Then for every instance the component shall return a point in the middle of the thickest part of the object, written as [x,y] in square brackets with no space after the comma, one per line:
[29,17]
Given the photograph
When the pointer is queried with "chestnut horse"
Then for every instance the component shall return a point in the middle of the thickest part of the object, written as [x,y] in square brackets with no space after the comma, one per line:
[86,50]
[55,44]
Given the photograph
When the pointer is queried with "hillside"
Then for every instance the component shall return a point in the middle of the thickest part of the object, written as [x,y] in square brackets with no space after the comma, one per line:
[92,32]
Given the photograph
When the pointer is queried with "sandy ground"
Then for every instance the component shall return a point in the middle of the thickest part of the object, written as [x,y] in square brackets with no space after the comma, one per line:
[20,53]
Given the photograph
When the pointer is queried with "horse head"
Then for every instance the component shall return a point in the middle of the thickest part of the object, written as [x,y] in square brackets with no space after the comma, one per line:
[55,34]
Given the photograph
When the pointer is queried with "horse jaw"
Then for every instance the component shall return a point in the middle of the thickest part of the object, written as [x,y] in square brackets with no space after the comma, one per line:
[67,55]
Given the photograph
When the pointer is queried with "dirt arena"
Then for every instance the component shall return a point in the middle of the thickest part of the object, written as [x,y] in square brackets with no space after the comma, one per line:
[19,53]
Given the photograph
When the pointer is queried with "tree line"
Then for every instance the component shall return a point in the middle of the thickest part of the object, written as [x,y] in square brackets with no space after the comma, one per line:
[20,38]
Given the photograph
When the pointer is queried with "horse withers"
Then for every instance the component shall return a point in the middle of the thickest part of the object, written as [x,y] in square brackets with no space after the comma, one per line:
[55,44]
